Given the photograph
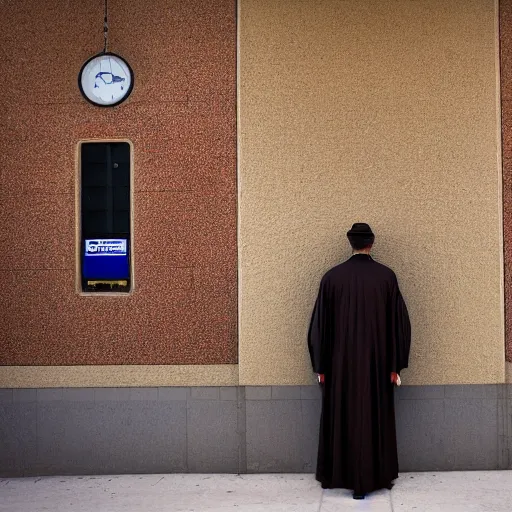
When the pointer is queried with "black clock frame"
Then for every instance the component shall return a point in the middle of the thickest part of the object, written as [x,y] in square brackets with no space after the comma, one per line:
[124,98]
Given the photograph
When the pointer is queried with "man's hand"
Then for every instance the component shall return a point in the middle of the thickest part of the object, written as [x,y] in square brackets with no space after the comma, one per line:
[395,378]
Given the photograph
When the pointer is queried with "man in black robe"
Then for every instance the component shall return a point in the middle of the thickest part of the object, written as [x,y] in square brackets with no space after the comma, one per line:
[359,341]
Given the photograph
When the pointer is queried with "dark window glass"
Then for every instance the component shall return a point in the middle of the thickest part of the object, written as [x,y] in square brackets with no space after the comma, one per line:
[105,216]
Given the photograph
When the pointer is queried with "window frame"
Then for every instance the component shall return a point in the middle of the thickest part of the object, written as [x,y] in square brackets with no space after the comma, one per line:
[78,222]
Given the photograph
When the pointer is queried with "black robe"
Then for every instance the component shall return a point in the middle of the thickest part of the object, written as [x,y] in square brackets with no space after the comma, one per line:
[359,333]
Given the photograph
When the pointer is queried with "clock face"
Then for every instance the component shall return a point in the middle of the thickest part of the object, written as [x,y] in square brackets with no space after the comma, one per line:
[105,80]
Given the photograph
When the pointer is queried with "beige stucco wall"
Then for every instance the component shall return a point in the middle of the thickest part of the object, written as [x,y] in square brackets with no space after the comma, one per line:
[386,112]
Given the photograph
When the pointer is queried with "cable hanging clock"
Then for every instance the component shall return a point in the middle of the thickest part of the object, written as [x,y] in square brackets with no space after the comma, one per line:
[106,79]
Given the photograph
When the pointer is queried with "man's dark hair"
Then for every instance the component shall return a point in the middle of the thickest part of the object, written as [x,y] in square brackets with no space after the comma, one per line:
[361,243]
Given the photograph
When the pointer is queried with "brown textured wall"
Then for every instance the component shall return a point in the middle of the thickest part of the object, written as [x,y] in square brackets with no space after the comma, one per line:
[181,118]
[506,123]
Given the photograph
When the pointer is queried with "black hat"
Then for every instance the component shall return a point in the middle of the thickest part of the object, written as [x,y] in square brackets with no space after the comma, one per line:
[362,234]
[360,229]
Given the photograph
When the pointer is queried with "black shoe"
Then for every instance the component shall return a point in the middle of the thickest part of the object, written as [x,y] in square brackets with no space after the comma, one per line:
[358,496]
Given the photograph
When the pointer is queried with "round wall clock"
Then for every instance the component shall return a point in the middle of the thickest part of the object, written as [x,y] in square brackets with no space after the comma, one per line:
[105,80]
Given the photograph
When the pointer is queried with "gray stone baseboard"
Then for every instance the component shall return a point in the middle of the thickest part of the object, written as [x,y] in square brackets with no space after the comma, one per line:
[235,429]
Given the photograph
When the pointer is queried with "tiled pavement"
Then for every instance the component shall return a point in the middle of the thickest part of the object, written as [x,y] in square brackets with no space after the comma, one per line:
[489,491]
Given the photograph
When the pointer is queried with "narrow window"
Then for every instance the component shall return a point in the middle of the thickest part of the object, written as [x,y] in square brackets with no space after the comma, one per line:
[105,233]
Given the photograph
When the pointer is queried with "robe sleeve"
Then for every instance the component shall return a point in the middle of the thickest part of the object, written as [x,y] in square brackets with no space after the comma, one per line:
[400,330]
[319,330]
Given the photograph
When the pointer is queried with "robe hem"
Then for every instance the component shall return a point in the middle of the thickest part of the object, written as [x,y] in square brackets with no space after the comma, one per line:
[383,485]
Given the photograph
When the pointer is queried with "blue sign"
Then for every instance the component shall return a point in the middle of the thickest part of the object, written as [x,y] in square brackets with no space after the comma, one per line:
[106,258]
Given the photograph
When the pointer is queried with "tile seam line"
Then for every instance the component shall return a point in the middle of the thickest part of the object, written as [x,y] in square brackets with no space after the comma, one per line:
[188,396]
[498,444]
[321,501]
